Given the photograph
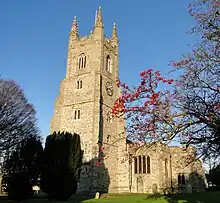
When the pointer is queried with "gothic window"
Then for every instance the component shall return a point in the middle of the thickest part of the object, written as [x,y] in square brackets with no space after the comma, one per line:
[79,84]
[144,164]
[148,164]
[77,114]
[82,61]
[135,165]
[140,164]
[84,64]
[181,179]
[108,63]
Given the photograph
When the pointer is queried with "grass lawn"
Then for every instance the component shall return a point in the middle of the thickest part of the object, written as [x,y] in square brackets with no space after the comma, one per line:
[205,197]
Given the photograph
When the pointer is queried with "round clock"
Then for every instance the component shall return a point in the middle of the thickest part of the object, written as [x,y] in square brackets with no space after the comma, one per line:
[109,88]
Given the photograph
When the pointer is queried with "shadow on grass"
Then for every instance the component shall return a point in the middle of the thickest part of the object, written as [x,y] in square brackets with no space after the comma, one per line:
[200,197]
[73,199]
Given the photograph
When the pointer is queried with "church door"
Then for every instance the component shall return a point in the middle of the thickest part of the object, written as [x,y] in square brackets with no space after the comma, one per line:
[140,185]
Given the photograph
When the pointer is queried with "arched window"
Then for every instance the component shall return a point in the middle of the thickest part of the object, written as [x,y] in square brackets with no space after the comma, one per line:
[140,164]
[77,114]
[135,165]
[108,63]
[183,180]
[84,64]
[179,179]
[79,84]
[82,61]
[144,164]
[148,164]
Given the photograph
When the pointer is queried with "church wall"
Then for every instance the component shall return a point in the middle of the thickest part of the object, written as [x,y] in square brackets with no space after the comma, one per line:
[145,182]
[185,163]
[165,176]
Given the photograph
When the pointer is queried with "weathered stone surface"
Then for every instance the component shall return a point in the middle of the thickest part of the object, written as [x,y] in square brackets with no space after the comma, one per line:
[179,162]
[95,104]
[116,172]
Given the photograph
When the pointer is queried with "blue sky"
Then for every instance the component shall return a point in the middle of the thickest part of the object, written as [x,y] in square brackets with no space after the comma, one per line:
[34,40]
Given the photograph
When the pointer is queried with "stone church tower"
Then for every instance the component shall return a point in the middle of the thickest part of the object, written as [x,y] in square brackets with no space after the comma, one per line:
[83,106]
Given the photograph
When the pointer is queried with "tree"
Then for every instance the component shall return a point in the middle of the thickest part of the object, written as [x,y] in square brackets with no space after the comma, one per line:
[199,85]
[17,116]
[189,110]
[62,160]
[147,108]
[22,168]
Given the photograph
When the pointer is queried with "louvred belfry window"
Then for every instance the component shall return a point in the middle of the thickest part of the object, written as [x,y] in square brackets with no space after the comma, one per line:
[82,61]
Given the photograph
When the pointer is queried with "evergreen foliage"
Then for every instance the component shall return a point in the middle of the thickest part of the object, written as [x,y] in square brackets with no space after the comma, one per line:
[22,168]
[62,160]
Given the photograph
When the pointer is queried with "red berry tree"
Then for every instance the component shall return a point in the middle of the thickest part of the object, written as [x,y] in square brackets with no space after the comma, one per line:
[190,109]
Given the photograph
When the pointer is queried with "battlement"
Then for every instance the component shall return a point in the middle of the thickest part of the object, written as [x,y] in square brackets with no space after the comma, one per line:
[96,34]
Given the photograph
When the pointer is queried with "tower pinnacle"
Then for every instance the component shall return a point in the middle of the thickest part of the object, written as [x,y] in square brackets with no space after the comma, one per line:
[74,28]
[114,32]
[98,18]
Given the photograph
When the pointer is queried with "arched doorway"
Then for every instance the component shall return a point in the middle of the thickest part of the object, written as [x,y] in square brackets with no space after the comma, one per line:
[140,185]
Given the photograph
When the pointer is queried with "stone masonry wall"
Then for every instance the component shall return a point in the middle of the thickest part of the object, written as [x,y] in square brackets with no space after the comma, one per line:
[95,110]
[166,163]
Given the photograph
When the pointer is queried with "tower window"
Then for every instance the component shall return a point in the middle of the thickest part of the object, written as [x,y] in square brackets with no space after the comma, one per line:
[108,63]
[79,84]
[82,61]
[77,114]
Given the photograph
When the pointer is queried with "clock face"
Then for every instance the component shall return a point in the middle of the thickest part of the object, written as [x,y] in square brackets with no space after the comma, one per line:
[109,88]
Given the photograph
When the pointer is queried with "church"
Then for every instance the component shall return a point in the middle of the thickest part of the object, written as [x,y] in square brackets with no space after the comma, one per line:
[111,163]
